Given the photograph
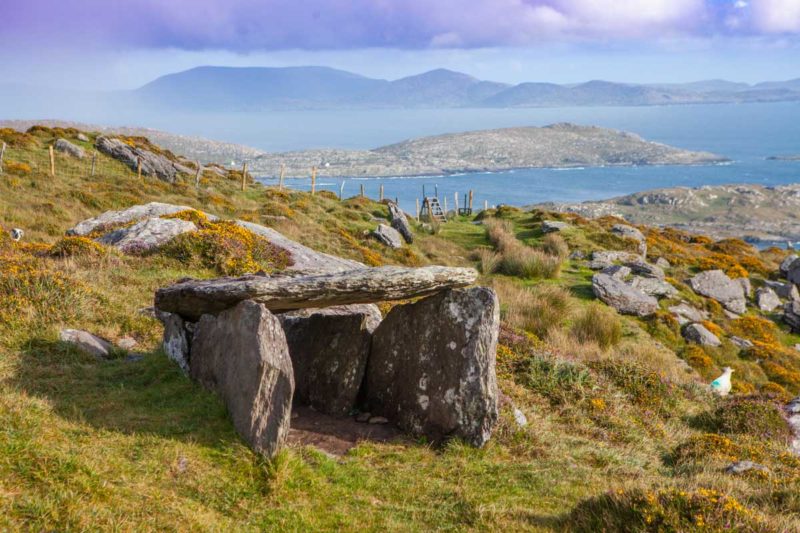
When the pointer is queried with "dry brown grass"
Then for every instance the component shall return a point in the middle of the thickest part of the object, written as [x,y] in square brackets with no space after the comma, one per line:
[540,309]
[598,323]
[555,245]
[488,260]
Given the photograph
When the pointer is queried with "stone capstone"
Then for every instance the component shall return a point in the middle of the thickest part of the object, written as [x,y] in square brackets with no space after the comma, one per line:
[432,366]
[715,284]
[388,236]
[242,355]
[72,150]
[329,349]
[147,234]
[699,334]
[622,297]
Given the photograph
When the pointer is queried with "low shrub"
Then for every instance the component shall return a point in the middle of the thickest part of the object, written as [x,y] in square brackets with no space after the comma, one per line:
[16,168]
[755,328]
[701,449]
[644,387]
[599,324]
[697,358]
[76,247]
[190,215]
[751,416]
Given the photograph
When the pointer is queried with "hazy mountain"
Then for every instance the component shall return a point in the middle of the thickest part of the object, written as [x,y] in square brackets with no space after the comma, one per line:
[705,86]
[439,87]
[792,85]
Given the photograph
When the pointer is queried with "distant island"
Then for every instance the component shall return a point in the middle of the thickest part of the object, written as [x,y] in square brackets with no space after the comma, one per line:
[795,157]
[754,212]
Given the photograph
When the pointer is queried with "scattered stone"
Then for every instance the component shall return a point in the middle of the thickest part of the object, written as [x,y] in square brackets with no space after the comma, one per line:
[400,222]
[378,420]
[329,349]
[715,284]
[793,274]
[363,417]
[652,286]
[193,298]
[787,291]
[137,212]
[663,263]
[520,418]
[747,287]
[699,334]
[152,164]
[577,255]
[622,297]
[127,343]
[787,263]
[686,313]
[610,257]
[388,236]
[66,147]
[741,467]
[767,300]
[645,269]
[147,235]
[82,137]
[739,342]
[176,339]
[87,343]
[432,366]
[242,355]
[619,272]
[791,315]
[552,226]
[629,232]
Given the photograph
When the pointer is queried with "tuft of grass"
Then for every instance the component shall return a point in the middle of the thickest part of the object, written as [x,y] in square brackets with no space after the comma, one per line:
[555,245]
[539,309]
[599,324]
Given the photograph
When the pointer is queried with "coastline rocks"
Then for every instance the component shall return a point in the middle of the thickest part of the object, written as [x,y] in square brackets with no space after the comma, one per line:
[242,355]
[147,234]
[718,286]
[329,349]
[152,163]
[699,334]
[86,342]
[193,298]
[432,366]
[72,150]
[622,297]
[388,236]
[767,300]
[400,222]
[552,226]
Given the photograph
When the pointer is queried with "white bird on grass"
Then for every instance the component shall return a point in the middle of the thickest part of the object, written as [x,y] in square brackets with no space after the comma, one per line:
[722,385]
[17,234]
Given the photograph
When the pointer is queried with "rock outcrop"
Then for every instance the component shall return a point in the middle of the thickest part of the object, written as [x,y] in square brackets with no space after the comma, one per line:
[152,164]
[552,226]
[110,219]
[605,258]
[147,234]
[193,298]
[685,313]
[622,297]
[767,300]
[629,232]
[388,236]
[793,272]
[400,222]
[645,269]
[791,315]
[329,349]
[72,150]
[242,355]
[715,284]
[787,291]
[653,286]
[699,334]
[432,367]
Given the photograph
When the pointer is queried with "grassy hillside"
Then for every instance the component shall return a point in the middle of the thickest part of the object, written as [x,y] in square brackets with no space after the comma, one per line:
[621,434]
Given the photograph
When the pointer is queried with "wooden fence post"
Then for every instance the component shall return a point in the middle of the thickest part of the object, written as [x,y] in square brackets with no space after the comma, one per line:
[486,205]
[341,190]
[313,180]
[2,153]
[280,180]
[417,200]
[197,176]
[244,175]
[52,163]
[362,190]
[94,162]
[445,207]
[381,194]
[471,196]
[139,168]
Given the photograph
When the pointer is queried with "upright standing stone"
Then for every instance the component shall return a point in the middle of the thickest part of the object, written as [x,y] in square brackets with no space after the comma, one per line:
[400,222]
[432,366]
[176,339]
[242,355]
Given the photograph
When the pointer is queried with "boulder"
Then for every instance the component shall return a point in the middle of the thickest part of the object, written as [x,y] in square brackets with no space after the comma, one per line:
[152,164]
[787,291]
[715,284]
[645,269]
[604,258]
[388,236]
[72,150]
[793,272]
[787,263]
[686,313]
[747,286]
[147,234]
[791,315]
[400,222]
[652,286]
[619,272]
[82,137]
[622,297]
[699,334]
[739,342]
[87,343]
[767,300]
[629,232]
[193,298]
[793,415]
[242,355]
[329,350]
[432,366]
[176,339]
[552,226]
[663,263]
[109,219]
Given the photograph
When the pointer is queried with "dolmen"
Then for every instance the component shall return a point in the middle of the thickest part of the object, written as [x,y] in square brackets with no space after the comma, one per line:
[262,343]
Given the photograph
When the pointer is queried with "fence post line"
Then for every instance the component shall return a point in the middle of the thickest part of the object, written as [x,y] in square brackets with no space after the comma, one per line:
[244,175]
[313,180]
[52,163]
[94,162]
[197,176]
[2,153]
[381,193]
[280,180]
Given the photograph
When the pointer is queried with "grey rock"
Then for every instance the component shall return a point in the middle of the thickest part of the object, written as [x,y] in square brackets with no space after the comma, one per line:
[715,284]
[767,300]
[137,212]
[787,291]
[551,226]
[619,272]
[577,255]
[741,467]
[147,235]
[628,232]
[612,256]
[686,313]
[82,137]
[152,164]
[193,298]
[663,263]
[645,269]
[791,315]
[787,263]
[400,222]
[652,286]
[127,343]
[739,342]
[86,342]
[432,366]
[66,147]
[747,286]
[793,272]
[176,339]
[520,418]
[329,350]
[378,420]
[388,236]
[622,297]
[699,334]
[242,355]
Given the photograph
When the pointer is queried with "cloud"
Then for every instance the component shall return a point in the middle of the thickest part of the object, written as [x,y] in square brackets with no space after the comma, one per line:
[253,25]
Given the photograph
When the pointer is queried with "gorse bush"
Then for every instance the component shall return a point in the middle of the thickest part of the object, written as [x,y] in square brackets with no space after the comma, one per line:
[599,324]
[751,416]
[76,247]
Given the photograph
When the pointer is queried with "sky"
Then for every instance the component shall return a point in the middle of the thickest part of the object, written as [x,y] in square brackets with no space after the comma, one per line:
[119,44]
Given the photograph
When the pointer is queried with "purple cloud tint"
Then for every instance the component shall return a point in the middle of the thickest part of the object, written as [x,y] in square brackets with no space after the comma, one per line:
[247,25]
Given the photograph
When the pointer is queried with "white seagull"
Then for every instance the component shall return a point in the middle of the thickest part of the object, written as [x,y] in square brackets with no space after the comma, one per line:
[722,385]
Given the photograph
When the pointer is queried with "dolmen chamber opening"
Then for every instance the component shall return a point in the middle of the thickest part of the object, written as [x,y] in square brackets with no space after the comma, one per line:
[312,334]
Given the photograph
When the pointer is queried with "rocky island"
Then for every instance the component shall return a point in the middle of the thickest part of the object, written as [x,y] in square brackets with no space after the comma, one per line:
[554,146]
